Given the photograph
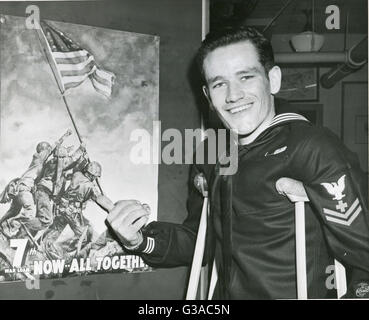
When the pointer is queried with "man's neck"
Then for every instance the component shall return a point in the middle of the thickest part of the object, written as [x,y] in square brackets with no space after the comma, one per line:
[244,140]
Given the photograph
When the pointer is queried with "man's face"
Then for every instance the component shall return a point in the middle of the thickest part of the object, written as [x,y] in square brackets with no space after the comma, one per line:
[238,88]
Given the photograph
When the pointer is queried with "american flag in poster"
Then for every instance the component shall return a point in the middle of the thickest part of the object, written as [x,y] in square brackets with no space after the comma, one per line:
[74,64]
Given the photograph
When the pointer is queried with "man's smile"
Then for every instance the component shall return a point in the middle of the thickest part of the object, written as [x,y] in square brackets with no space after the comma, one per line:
[240,108]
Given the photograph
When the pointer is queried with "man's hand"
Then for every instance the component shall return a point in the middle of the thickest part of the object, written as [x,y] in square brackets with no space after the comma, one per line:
[126,219]
[65,135]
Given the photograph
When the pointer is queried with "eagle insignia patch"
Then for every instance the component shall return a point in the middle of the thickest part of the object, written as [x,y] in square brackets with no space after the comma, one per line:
[342,216]
[336,188]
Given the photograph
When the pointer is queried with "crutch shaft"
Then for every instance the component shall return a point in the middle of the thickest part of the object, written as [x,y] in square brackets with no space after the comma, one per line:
[341,282]
[198,254]
[300,250]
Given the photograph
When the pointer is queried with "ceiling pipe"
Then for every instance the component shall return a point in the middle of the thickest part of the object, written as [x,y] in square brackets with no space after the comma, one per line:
[310,57]
[349,61]
[357,58]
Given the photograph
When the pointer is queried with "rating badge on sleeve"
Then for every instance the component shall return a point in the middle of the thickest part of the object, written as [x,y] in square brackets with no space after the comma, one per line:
[346,213]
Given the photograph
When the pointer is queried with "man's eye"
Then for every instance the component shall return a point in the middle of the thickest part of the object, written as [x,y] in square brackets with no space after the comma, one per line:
[218,85]
[247,77]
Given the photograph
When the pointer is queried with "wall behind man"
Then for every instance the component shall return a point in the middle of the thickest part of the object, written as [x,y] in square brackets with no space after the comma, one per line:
[178,23]
[334,110]
[330,98]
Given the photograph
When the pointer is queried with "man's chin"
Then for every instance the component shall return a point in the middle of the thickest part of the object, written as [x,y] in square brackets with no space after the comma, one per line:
[239,128]
[244,132]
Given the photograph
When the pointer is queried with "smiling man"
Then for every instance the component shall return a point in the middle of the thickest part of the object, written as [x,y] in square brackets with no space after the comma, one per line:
[251,234]
[240,89]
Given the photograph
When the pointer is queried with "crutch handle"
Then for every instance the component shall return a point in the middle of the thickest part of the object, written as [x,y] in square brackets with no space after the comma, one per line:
[294,190]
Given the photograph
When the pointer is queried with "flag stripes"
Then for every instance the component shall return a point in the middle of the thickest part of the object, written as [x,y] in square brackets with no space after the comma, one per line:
[73,54]
[74,60]
[75,64]
[101,80]
[86,69]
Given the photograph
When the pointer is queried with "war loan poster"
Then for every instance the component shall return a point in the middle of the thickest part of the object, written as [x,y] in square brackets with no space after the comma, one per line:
[71,96]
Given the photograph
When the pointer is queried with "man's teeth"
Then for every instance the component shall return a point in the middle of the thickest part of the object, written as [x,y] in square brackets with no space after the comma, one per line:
[238,109]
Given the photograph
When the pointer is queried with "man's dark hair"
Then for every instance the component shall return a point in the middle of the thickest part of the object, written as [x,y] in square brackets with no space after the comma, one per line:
[224,37]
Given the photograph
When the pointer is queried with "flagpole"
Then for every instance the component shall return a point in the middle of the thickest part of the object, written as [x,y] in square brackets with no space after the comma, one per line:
[78,135]
[72,119]
[54,70]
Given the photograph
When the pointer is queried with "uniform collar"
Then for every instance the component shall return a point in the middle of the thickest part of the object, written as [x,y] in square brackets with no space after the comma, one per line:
[278,120]
[286,117]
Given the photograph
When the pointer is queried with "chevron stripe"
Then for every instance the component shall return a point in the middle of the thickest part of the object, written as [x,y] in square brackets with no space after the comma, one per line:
[343,222]
[150,245]
[342,215]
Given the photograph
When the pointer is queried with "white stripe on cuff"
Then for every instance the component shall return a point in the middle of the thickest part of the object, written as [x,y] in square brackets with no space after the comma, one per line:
[150,245]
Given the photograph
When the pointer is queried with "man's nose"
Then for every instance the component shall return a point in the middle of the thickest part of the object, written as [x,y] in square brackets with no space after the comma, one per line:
[234,93]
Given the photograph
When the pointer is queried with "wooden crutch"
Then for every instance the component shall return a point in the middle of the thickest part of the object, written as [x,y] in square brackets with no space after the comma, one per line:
[201,185]
[294,190]
[213,281]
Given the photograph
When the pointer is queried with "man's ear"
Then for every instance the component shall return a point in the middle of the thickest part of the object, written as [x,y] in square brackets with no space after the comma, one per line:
[275,78]
[207,95]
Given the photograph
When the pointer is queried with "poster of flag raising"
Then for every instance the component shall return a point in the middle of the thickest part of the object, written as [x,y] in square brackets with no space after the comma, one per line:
[71,95]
